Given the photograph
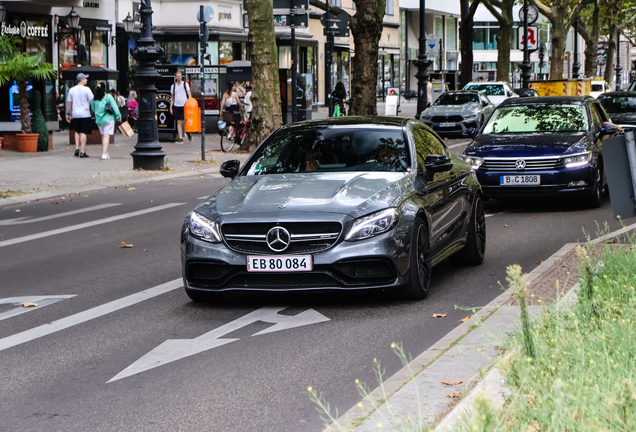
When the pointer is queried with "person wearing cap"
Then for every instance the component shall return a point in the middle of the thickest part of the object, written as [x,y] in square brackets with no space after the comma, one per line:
[78,113]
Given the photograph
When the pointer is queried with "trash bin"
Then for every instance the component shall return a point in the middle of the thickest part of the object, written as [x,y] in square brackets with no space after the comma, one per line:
[192,115]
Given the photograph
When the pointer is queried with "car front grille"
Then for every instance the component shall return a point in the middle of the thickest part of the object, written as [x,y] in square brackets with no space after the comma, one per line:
[305,236]
[444,119]
[510,164]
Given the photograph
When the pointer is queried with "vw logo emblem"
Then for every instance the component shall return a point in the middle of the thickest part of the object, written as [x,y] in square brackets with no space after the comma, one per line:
[278,239]
[282,206]
[520,164]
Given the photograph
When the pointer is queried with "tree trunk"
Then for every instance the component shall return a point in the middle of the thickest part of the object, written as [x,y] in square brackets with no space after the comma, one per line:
[366,28]
[466,38]
[25,119]
[504,39]
[611,50]
[559,36]
[266,110]
[591,47]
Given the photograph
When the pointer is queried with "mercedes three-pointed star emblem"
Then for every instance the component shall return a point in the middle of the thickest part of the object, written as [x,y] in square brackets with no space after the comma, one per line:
[278,239]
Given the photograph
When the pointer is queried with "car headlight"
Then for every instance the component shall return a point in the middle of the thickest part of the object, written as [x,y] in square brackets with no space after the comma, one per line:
[426,117]
[470,116]
[204,229]
[373,225]
[474,161]
[577,160]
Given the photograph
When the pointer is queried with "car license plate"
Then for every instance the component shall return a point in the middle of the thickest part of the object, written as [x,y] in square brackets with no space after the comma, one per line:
[447,124]
[519,180]
[279,263]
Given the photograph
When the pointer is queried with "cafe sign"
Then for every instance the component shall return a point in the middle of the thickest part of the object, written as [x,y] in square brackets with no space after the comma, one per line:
[23,30]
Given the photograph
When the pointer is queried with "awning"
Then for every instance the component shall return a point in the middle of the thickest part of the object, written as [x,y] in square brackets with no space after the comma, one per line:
[51,3]
[93,72]
[238,71]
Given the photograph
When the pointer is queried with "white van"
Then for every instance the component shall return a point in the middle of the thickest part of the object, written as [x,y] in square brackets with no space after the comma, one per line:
[598,88]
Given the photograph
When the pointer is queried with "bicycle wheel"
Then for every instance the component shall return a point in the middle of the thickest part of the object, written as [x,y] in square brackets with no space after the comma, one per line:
[243,133]
[226,143]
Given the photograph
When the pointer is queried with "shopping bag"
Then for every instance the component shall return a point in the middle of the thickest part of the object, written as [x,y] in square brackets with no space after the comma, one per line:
[126,130]
[336,111]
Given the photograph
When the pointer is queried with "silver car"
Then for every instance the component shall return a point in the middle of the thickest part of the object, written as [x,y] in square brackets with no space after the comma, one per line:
[456,111]
[345,203]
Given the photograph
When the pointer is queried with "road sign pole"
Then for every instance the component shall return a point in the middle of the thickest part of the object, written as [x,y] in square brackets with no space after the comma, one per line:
[203,43]
[328,61]
[294,55]
[525,66]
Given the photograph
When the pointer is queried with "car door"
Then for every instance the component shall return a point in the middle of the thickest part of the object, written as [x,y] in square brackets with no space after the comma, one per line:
[441,193]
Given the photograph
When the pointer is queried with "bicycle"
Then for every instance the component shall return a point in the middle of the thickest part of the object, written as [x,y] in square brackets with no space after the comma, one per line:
[233,121]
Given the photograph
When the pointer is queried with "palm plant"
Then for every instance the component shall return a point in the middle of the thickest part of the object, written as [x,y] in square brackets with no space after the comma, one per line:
[21,68]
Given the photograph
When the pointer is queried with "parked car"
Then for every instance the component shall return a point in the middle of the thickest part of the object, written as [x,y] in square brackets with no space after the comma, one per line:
[527,92]
[496,92]
[345,203]
[548,146]
[456,111]
[620,106]
[598,88]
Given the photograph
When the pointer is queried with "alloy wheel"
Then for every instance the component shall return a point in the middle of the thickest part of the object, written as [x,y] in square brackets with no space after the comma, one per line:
[423,261]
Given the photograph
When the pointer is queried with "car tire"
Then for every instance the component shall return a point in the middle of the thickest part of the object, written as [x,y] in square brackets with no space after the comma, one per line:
[474,250]
[596,199]
[203,296]
[420,264]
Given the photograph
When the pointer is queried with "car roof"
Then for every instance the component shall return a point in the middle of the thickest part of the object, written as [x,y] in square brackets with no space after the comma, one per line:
[352,121]
[618,93]
[549,100]
[487,82]
[475,92]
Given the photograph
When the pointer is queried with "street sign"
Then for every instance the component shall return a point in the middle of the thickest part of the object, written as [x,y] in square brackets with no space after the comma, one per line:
[286,4]
[432,45]
[338,24]
[302,20]
[208,14]
[533,38]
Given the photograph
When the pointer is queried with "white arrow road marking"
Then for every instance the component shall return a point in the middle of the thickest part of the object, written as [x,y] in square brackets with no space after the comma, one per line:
[26,220]
[40,300]
[176,349]
[87,224]
[87,315]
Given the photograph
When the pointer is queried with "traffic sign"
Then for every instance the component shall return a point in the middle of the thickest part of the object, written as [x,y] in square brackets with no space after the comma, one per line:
[208,14]
[432,44]
[338,24]
[302,20]
[533,38]
[286,4]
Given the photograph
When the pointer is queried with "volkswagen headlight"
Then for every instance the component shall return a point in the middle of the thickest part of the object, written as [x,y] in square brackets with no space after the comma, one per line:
[474,161]
[204,229]
[373,225]
[577,160]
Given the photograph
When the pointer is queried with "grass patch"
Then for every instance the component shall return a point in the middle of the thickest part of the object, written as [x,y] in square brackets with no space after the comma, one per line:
[11,193]
[573,368]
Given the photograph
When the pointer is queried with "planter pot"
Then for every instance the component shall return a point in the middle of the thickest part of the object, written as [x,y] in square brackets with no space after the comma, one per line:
[27,143]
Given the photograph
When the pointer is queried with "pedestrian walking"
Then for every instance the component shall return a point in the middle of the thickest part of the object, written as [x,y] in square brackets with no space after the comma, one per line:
[106,112]
[132,109]
[247,101]
[121,101]
[339,96]
[230,104]
[429,92]
[180,92]
[78,113]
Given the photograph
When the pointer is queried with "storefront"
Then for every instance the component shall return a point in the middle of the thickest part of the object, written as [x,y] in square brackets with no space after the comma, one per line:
[33,36]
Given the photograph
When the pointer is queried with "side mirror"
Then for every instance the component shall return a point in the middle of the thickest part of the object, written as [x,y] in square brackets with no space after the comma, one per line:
[437,163]
[607,130]
[230,168]
[470,132]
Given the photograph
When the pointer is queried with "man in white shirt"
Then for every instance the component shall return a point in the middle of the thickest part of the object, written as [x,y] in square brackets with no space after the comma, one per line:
[78,107]
[180,92]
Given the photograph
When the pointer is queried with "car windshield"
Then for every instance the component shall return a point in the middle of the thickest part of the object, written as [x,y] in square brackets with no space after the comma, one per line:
[332,149]
[488,89]
[618,104]
[456,99]
[537,118]
[597,87]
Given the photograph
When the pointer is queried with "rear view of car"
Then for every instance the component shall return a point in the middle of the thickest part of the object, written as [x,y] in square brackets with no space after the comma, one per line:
[621,106]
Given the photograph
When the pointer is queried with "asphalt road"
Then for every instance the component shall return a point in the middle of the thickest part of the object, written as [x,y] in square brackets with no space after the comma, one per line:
[73,364]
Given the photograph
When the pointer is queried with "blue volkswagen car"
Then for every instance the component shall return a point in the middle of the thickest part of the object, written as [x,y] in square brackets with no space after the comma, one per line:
[542,146]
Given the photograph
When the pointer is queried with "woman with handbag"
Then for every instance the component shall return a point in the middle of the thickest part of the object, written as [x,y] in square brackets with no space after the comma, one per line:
[106,112]
[231,106]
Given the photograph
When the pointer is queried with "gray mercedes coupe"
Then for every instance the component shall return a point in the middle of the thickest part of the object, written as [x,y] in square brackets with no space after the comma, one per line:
[345,203]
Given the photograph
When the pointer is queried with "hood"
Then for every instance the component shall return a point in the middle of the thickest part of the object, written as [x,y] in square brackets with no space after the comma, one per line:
[352,193]
[445,110]
[524,145]
[496,100]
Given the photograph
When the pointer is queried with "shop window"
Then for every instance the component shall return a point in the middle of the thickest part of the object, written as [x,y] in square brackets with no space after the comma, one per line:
[439,27]
[226,52]
[284,57]
[213,52]
[451,34]
[99,49]
[388,10]
[182,53]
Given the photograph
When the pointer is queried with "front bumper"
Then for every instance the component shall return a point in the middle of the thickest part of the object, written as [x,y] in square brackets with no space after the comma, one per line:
[377,263]
[459,128]
[553,183]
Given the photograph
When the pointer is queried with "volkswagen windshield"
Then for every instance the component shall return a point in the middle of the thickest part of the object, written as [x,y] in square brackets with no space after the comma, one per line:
[543,118]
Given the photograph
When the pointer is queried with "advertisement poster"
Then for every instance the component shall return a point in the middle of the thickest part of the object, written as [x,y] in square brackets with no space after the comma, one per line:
[14,100]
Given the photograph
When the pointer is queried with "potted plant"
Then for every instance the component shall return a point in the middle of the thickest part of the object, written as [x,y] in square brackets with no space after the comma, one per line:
[21,68]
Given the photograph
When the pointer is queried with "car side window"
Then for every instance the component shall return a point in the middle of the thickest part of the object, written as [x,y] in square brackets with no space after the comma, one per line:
[597,120]
[426,144]
[601,112]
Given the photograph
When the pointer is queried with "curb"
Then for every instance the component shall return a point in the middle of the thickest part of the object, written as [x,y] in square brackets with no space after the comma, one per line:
[395,382]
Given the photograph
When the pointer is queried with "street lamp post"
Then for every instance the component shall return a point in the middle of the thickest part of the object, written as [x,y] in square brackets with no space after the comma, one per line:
[618,60]
[576,66]
[422,64]
[525,66]
[148,154]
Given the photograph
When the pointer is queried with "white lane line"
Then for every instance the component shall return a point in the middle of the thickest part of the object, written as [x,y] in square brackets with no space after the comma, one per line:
[203,197]
[614,234]
[41,301]
[87,224]
[458,144]
[87,315]
[26,220]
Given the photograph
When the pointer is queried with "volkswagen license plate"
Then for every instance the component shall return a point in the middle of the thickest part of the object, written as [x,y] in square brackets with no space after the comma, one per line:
[279,263]
[447,124]
[520,180]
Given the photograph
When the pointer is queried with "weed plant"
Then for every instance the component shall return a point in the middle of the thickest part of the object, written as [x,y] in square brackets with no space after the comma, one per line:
[574,366]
